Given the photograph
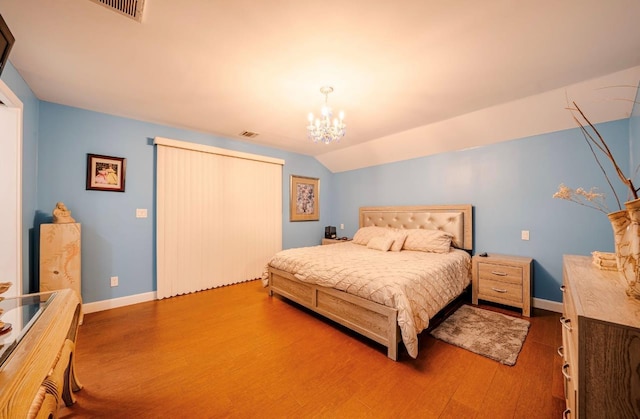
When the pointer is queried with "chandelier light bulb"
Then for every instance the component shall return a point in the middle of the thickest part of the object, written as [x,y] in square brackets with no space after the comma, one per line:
[324,130]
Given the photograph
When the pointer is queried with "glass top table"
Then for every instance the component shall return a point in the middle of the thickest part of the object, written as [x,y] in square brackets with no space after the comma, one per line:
[21,313]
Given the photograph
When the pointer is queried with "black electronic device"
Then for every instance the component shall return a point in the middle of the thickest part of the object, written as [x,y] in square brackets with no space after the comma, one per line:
[6,43]
[483,255]
[330,232]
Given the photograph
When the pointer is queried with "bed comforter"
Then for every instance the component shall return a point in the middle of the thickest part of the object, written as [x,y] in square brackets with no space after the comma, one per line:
[417,284]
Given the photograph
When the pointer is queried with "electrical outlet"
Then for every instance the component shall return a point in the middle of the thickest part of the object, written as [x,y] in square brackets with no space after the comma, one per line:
[114,281]
[525,234]
[141,213]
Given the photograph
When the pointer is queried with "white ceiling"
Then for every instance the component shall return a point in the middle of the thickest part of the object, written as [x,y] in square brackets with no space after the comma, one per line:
[413,77]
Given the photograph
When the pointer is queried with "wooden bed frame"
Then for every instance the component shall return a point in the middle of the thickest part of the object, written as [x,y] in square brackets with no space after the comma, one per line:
[375,321]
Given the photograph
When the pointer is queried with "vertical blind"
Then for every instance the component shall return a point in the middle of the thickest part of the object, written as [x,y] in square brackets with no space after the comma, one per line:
[219,216]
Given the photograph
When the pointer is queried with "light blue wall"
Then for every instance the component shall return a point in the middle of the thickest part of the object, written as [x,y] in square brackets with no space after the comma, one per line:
[510,185]
[31,106]
[634,141]
[114,242]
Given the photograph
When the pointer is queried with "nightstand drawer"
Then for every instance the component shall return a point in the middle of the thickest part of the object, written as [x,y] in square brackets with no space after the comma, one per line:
[503,279]
[501,273]
[499,290]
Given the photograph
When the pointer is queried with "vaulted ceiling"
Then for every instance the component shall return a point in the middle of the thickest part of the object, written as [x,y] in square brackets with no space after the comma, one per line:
[413,77]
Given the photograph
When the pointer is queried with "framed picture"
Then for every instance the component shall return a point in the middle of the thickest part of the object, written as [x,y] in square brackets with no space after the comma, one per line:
[105,173]
[304,202]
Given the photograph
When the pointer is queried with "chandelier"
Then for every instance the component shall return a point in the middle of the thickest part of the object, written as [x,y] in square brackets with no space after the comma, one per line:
[324,130]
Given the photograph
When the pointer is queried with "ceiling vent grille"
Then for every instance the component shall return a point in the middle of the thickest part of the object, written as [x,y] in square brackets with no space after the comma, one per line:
[249,134]
[129,8]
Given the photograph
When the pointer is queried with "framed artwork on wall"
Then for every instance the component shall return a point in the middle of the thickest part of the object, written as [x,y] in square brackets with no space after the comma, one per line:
[105,173]
[304,202]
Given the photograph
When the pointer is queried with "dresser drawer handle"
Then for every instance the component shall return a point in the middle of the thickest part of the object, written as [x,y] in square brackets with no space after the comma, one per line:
[564,371]
[499,273]
[561,351]
[566,413]
[501,291]
[566,323]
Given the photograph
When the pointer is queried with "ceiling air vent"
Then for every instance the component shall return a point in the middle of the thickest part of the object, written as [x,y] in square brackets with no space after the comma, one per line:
[129,8]
[249,134]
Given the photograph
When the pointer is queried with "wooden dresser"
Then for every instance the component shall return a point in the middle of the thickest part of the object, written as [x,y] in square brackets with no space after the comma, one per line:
[600,343]
[37,370]
[504,280]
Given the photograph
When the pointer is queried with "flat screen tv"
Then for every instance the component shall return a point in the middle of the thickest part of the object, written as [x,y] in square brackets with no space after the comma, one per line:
[6,42]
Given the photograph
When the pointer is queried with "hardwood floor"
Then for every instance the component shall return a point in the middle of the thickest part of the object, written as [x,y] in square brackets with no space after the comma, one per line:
[235,352]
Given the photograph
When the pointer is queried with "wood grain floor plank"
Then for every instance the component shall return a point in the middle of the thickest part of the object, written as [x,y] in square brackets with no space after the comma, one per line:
[234,352]
[457,410]
[473,388]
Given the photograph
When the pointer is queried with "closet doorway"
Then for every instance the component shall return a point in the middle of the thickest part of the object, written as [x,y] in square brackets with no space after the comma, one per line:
[219,216]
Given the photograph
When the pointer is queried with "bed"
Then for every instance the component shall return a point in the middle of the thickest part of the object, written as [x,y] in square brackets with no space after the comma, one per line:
[387,296]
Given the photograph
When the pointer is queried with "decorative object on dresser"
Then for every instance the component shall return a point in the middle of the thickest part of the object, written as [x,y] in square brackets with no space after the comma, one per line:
[4,327]
[625,222]
[304,199]
[309,275]
[60,257]
[600,343]
[604,260]
[487,333]
[61,214]
[503,279]
[4,286]
[37,361]
[626,234]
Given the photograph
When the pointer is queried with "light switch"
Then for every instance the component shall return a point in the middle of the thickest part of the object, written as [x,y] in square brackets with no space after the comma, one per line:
[525,234]
[141,213]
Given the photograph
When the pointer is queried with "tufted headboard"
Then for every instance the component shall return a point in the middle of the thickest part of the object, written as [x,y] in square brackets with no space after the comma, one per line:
[454,219]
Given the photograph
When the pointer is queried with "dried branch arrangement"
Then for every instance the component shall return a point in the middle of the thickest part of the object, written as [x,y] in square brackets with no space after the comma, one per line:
[599,148]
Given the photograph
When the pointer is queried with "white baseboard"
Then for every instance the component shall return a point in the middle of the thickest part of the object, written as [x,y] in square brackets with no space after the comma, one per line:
[150,296]
[118,302]
[547,305]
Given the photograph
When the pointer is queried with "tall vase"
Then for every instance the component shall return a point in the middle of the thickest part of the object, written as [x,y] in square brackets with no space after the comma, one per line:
[633,231]
[626,230]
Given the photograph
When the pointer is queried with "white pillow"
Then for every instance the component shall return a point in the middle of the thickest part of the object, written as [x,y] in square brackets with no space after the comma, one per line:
[422,240]
[364,234]
[382,243]
[399,236]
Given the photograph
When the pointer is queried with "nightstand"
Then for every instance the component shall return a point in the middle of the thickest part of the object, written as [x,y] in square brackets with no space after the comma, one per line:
[333,241]
[503,279]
